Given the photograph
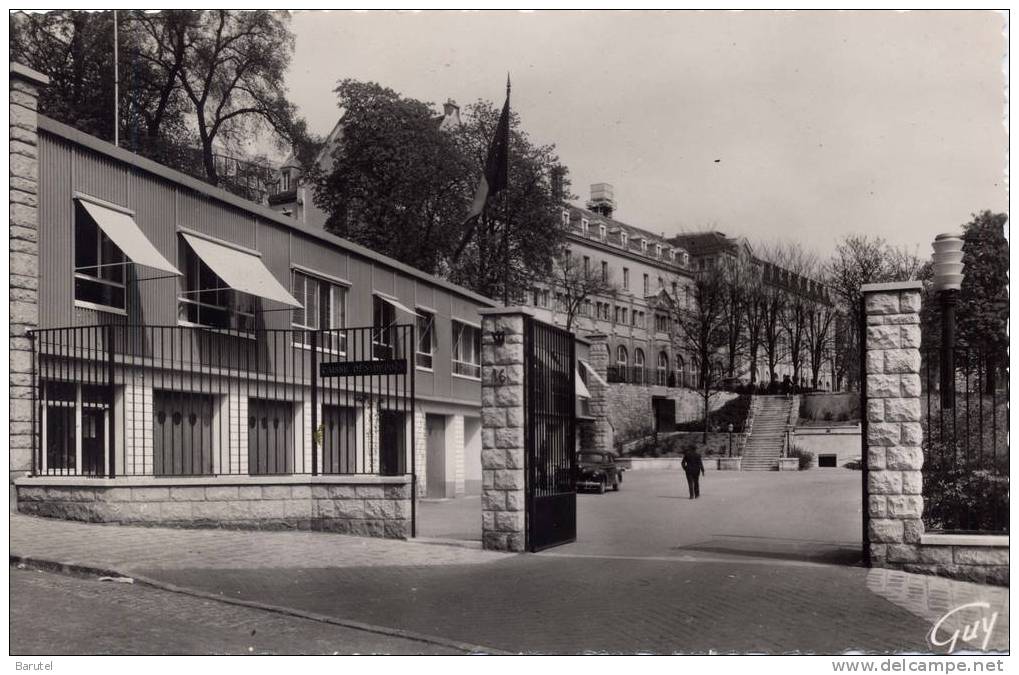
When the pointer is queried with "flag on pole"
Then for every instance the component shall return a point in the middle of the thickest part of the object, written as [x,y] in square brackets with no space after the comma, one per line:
[497,163]
[495,177]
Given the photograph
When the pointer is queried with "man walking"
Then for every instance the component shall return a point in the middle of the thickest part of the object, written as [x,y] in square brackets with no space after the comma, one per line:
[694,468]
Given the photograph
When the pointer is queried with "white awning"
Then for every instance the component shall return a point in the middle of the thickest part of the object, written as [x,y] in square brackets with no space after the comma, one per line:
[394,302]
[125,233]
[581,388]
[240,271]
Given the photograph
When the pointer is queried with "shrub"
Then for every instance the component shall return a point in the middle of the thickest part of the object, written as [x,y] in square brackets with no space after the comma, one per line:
[828,416]
[805,456]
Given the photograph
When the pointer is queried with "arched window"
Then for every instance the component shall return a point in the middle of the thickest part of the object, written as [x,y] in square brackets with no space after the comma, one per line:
[622,362]
[663,369]
[681,372]
[695,373]
[638,366]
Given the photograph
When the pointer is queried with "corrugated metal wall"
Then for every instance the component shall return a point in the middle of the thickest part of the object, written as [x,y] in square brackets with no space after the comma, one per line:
[161,206]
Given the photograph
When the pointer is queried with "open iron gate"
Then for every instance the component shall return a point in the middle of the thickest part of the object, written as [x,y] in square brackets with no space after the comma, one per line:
[550,435]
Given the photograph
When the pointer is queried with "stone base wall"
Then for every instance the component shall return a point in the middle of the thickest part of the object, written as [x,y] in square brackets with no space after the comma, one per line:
[843,442]
[376,508]
[983,564]
[631,414]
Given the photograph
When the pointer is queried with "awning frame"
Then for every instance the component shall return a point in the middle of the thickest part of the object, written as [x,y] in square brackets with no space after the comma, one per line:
[129,239]
[206,248]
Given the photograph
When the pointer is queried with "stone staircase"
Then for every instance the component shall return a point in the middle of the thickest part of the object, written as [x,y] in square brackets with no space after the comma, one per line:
[764,447]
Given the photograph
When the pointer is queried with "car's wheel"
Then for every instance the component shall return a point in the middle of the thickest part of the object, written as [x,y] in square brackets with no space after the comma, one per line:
[601,486]
[615,484]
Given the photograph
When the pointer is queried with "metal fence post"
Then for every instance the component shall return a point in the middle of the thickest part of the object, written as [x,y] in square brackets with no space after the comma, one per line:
[112,400]
[35,383]
[314,403]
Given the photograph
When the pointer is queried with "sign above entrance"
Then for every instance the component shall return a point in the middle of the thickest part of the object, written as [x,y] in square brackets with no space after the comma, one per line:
[362,368]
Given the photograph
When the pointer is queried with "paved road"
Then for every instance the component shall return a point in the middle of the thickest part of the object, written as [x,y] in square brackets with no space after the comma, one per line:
[61,615]
[809,515]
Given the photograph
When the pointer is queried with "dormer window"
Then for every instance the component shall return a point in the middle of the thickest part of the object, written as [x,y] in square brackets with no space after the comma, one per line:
[566,217]
[658,251]
[286,180]
[602,232]
[672,255]
[625,239]
[643,246]
[584,225]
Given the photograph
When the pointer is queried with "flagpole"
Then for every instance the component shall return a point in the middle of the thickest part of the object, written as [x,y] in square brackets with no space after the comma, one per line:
[506,215]
[116,83]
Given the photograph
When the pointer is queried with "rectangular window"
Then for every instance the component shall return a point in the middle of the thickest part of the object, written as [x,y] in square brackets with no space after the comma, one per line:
[646,285]
[99,266]
[626,279]
[466,350]
[325,309]
[383,319]
[206,299]
[426,339]
[602,231]
[604,272]
[587,265]
[75,419]
[674,289]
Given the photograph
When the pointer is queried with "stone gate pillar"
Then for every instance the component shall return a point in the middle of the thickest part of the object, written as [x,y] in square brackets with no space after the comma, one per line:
[502,428]
[25,84]
[599,389]
[894,435]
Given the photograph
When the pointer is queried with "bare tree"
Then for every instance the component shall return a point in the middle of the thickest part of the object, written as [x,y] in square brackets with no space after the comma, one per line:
[819,335]
[577,285]
[755,314]
[795,280]
[737,277]
[860,260]
[702,329]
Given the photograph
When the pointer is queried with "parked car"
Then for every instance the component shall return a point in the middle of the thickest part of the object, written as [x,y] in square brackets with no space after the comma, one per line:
[598,471]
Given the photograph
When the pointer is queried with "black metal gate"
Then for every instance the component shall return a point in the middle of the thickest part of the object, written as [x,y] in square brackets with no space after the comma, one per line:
[550,435]
[864,451]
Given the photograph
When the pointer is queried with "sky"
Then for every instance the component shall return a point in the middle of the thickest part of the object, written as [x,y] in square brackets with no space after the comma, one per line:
[796,126]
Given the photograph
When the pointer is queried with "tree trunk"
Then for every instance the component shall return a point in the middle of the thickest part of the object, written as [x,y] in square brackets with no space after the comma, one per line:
[705,438]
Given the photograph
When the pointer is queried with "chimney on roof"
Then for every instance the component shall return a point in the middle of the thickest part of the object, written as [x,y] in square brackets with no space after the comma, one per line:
[602,200]
[450,115]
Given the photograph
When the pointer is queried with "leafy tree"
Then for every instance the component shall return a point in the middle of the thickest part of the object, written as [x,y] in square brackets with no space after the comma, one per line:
[209,79]
[233,69]
[396,183]
[75,50]
[521,231]
[982,315]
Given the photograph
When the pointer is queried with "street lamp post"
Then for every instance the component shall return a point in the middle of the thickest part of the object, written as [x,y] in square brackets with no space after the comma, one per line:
[730,439]
[947,283]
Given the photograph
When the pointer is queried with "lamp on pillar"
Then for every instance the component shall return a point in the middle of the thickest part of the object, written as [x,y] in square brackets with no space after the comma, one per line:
[947,283]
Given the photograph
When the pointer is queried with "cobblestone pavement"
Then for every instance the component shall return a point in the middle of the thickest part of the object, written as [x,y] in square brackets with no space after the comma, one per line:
[708,586]
[61,615]
[128,548]
[809,515]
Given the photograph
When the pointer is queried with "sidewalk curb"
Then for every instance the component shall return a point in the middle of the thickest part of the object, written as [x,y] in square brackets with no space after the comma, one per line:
[75,569]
